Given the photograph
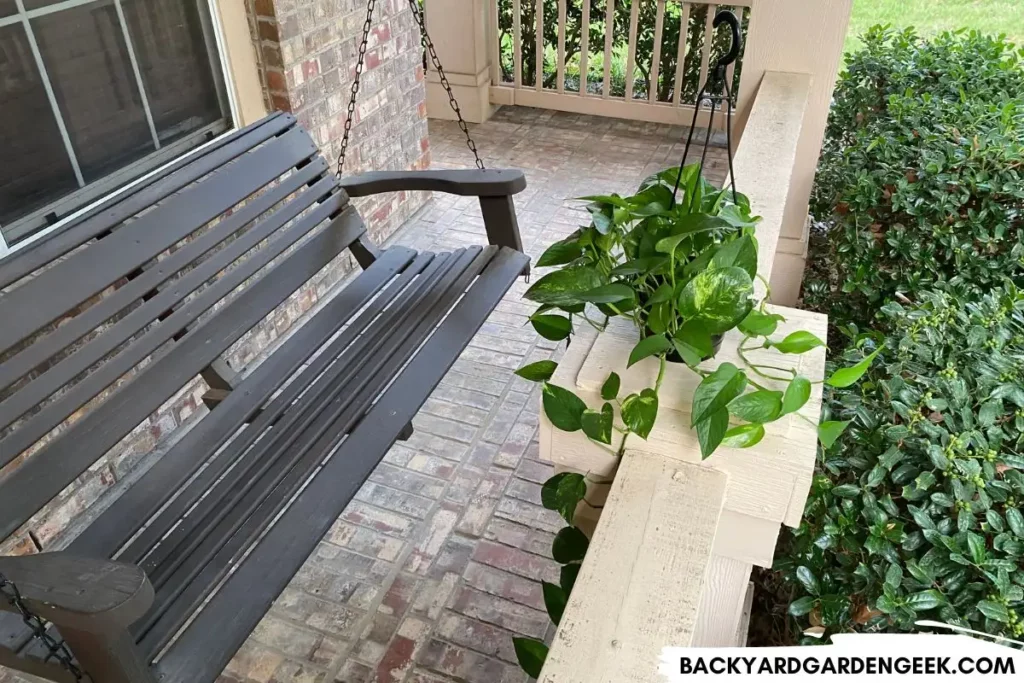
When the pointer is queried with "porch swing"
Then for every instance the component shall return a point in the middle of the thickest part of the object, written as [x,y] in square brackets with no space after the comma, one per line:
[170,579]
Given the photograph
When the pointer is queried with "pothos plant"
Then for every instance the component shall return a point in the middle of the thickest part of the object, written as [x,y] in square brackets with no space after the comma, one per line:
[679,260]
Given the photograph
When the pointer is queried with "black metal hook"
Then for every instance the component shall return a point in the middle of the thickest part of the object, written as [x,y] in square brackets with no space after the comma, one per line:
[727,17]
[716,79]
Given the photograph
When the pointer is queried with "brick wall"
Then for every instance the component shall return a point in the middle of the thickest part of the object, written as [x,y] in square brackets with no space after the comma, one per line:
[307,51]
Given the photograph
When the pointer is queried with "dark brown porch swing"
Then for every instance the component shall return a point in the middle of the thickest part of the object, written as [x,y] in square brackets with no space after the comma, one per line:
[155,285]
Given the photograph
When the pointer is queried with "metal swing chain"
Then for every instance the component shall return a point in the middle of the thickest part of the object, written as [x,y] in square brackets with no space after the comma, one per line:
[428,45]
[367,23]
[57,650]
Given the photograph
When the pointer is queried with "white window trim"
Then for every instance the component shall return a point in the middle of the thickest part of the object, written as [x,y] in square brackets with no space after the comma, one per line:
[232,101]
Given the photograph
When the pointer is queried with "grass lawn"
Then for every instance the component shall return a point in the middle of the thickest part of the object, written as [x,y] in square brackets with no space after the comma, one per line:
[933,16]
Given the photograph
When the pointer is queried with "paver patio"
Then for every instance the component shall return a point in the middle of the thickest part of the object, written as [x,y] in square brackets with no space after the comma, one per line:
[436,564]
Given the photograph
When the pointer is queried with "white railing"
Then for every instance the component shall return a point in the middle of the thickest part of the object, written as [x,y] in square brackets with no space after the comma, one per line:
[650,71]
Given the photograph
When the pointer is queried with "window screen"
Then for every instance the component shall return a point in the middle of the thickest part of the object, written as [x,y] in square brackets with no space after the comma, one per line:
[96,93]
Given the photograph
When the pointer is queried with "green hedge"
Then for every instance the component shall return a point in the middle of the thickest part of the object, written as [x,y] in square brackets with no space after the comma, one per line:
[915,512]
[920,180]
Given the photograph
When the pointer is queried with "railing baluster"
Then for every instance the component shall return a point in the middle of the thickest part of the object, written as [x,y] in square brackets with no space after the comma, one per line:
[631,49]
[659,26]
[517,43]
[584,46]
[684,41]
[635,100]
[709,39]
[540,45]
[560,65]
[609,29]
[492,21]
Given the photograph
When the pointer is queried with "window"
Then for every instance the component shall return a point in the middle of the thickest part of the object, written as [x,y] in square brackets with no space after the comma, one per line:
[94,94]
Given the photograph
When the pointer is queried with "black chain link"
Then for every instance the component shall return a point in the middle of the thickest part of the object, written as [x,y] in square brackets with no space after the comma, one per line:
[367,23]
[57,649]
[428,45]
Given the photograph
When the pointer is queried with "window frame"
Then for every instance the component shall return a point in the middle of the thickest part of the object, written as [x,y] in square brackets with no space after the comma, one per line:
[31,228]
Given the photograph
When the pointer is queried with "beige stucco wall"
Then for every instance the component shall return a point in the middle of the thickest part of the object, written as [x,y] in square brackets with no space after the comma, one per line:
[239,58]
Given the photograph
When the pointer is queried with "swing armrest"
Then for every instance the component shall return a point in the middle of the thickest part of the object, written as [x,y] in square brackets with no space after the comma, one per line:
[81,593]
[494,188]
[468,183]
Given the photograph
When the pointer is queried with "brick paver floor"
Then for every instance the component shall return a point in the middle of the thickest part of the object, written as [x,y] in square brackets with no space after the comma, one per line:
[437,563]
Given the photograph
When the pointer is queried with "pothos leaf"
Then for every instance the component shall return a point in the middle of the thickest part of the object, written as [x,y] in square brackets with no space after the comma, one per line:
[608,294]
[551,327]
[540,371]
[798,342]
[693,342]
[744,436]
[567,577]
[757,406]
[711,431]
[563,492]
[639,411]
[716,391]
[740,253]
[610,388]
[563,287]
[828,432]
[554,601]
[563,408]
[570,545]
[844,377]
[560,253]
[718,298]
[531,655]
[598,424]
[798,391]
[758,324]
[655,344]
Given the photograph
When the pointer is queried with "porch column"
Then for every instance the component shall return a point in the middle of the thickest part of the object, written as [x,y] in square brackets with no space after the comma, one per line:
[460,31]
[800,37]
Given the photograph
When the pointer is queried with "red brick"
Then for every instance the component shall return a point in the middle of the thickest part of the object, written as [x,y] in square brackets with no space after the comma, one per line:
[500,612]
[268,30]
[516,561]
[467,665]
[400,595]
[397,660]
[277,81]
[264,8]
[509,586]
[281,102]
[476,635]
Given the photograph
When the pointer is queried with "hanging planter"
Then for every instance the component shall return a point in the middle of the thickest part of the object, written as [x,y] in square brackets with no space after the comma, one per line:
[669,272]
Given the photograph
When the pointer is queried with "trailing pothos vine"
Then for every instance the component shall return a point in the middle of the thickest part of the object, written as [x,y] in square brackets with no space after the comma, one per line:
[680,264]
